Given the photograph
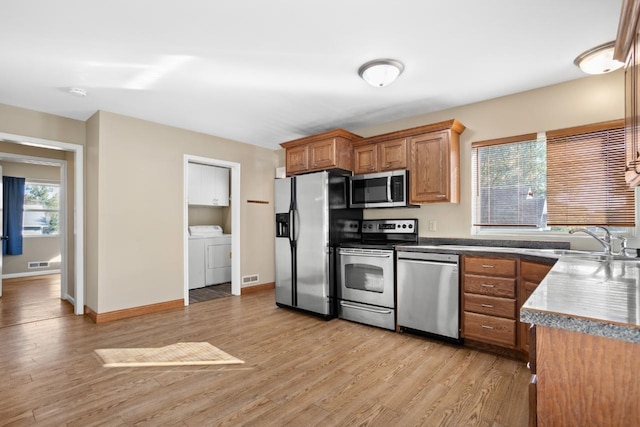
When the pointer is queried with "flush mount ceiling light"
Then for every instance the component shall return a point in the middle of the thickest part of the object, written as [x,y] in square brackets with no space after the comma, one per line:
[598,60]
[381,72]
[78,91]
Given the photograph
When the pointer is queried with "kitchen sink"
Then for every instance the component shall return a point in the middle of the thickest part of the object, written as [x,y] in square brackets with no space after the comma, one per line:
[599,256]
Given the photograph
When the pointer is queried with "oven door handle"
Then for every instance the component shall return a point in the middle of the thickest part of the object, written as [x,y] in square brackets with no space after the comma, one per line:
[359,307]
[366,255]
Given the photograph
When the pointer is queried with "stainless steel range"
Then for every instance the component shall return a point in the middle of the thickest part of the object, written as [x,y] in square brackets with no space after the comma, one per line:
[366,275]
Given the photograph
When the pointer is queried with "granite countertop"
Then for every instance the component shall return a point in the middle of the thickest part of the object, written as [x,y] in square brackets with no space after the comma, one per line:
[597,297]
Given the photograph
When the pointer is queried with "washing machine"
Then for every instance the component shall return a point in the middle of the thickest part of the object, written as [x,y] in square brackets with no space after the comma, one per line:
[209,256]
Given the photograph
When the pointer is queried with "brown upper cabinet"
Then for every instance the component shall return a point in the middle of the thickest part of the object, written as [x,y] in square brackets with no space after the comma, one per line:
[434,166]
[319,152]
[431,153]
[627,50]
[379,157]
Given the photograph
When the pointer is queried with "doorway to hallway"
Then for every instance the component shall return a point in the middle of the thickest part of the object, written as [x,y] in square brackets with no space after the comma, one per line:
[32,299]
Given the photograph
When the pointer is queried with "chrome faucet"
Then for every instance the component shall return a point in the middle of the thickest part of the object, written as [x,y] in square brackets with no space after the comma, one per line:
[605,242]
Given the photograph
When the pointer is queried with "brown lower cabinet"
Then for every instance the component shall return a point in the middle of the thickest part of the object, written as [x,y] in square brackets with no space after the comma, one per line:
[489,300]
[494,289]
[584,380]
[531,274]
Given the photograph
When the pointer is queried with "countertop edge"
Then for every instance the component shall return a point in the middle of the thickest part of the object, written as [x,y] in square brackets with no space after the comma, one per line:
[577,324]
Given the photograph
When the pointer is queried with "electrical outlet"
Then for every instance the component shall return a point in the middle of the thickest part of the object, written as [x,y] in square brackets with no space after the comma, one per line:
[432,225]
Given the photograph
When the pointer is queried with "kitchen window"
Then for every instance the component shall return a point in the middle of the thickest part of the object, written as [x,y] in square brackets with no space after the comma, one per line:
[549,182]
[41,214]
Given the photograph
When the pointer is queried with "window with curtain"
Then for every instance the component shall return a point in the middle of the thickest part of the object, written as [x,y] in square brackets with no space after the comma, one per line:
[510,182]
[547,182]
[585,177]
[41,214]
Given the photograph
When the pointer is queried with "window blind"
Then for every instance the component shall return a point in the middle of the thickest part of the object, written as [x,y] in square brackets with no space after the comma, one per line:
[509,182]
[585,177]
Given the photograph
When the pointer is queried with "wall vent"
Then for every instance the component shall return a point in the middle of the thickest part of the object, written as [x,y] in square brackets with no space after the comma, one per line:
[37,264]
[250,279]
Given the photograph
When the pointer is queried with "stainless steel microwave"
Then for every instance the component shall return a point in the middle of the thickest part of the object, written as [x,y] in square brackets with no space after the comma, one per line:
[380,190]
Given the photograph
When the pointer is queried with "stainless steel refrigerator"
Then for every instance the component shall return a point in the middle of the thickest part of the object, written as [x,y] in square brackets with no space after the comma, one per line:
[312,219]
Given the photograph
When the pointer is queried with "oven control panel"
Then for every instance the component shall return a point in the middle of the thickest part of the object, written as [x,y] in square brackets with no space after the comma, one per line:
[395,226]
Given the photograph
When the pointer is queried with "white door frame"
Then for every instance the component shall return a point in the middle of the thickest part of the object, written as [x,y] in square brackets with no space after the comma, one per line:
[235,220]
[78,204]
[62,165]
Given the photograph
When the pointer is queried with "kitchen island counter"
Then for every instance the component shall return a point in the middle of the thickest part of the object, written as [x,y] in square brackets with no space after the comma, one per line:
[585,356]
[597,297]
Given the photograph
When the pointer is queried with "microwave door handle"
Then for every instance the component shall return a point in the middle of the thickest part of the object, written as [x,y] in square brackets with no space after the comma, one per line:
[389,199]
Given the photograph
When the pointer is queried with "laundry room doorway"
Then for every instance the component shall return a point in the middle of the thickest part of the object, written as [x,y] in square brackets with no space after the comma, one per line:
[211,224]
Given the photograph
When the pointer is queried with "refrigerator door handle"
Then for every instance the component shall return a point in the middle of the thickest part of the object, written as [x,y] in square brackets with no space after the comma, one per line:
[292,226]
[296,232]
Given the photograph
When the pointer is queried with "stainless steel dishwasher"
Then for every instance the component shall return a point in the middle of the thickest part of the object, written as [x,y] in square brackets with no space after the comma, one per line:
[428,293]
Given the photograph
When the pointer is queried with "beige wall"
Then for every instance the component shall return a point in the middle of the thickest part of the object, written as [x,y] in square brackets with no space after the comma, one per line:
[92,213]
[136,169]
[34,248]
[20,121]
[587,100]
[206,215]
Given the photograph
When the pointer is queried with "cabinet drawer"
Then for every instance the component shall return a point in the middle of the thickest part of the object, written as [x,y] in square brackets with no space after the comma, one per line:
[492,306]
[490,266]
[489,329]
[492,286]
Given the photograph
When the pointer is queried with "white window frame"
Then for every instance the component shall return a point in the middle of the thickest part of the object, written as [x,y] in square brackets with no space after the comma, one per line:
[43,182]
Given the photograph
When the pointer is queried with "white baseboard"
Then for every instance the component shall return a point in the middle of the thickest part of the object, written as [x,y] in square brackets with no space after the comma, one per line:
[30,273]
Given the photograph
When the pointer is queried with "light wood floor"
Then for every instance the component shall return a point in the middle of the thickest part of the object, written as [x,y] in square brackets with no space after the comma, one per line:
[32,299]
[298,371]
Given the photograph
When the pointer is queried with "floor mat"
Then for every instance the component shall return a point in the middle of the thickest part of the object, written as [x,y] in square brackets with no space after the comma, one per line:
[179,354]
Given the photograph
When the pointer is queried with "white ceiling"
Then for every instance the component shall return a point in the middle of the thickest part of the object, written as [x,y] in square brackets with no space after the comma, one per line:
[265,72]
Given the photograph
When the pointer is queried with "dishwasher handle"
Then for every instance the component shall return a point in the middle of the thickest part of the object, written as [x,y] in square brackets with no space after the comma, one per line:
[442,264]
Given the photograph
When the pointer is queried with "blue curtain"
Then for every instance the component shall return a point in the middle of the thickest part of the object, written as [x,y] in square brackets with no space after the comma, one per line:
[13,203]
